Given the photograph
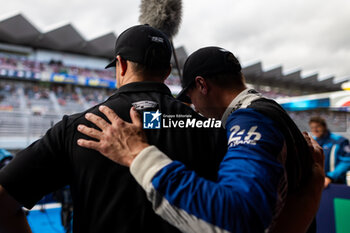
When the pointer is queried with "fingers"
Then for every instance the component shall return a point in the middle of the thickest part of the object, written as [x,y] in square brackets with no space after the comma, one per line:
[91,132]
[327,181]
[135,117]
[307,138]
[114,118]
[109,113]
[319,156]
[314,142]
[317,151]
[88,144]
[98,121]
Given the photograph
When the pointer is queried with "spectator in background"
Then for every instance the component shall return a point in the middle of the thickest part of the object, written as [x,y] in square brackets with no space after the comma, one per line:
[336,149]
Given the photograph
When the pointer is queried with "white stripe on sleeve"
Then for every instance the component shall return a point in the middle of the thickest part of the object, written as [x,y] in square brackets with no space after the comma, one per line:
[146,164]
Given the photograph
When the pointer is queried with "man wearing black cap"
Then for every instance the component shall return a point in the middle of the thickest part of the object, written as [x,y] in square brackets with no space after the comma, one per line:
[106,197]
[267,157]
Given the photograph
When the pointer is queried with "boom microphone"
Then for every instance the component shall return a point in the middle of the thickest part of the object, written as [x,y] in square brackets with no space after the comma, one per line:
[165,15]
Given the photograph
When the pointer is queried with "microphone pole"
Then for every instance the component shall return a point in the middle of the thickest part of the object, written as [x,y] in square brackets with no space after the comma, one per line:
[175,58]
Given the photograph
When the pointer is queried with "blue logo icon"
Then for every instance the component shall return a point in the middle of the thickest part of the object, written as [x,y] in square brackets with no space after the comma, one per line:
[151,120]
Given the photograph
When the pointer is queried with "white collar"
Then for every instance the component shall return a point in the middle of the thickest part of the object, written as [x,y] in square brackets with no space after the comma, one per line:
[242,100]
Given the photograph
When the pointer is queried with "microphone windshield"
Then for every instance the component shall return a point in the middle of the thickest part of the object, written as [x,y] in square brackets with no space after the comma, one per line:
[164,15]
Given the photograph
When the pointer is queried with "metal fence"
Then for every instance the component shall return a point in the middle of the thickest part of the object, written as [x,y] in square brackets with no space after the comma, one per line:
[19,129]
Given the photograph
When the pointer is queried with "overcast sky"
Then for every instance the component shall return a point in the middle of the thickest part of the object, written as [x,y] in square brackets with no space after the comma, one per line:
[311,35]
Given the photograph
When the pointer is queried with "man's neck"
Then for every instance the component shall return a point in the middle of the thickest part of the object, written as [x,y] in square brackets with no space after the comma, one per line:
[225,98]
[138,78]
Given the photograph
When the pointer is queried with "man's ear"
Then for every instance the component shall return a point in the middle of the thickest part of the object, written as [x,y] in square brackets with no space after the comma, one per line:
[202,85]
[123,65]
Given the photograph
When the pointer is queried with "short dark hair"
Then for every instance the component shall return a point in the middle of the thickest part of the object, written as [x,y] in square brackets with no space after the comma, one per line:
[152,72]
[318,120]
[224,80]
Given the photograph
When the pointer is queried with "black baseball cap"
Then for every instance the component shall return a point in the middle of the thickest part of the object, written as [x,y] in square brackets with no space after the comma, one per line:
[145,45]
[205,62]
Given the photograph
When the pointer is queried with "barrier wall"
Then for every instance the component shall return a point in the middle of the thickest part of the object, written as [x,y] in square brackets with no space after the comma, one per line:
[334,212]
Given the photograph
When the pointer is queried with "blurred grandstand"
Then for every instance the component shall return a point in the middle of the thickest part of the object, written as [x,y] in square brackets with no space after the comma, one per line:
[46,75]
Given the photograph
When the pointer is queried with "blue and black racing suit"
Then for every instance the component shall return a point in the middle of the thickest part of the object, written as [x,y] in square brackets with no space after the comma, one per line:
[252,178]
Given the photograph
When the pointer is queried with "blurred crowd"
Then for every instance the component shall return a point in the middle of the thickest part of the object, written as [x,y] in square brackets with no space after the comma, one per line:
[53,66]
